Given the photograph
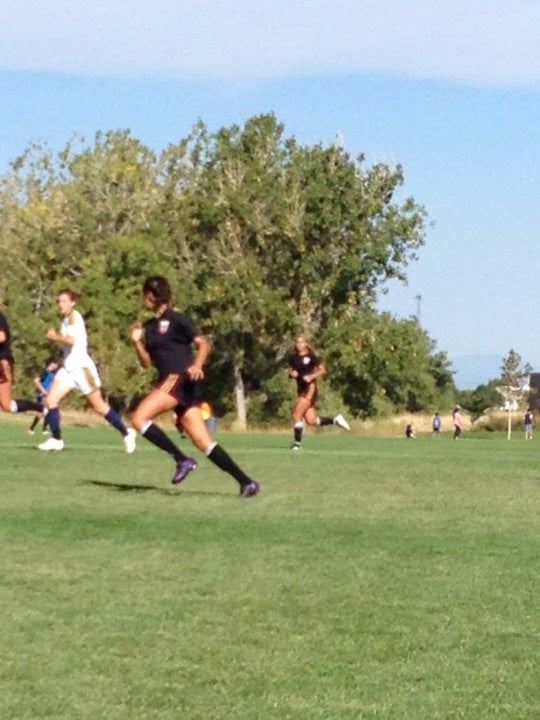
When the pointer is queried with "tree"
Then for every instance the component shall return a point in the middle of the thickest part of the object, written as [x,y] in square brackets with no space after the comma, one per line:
[237,217]
[261,238]
[480,399]
[295,239]
[349,234]
[512,384]
[383,364]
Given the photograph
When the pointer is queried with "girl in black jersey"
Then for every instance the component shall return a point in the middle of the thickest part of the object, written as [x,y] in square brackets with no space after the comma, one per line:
[306,368]
[167,341]
[7,375]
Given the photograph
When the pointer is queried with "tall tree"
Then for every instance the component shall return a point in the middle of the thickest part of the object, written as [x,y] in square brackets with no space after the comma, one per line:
[238,207]
[295,238]
[351,235]
[512,385]
[382,364]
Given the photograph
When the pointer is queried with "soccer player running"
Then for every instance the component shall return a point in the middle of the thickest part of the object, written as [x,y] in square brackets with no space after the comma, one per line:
[7,375]
[167,341]
[306,368]
[456,420]
[78,372]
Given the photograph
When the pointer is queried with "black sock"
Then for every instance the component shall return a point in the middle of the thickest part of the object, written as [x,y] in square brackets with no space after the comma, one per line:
[35,422]
[224,462]
[25,405]
[298,432]
[157,437]
[326,421]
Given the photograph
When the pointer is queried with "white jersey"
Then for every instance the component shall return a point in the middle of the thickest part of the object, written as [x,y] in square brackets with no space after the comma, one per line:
[76,355]
[79,371]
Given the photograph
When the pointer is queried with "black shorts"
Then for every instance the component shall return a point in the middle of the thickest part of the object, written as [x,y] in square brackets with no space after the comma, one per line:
[186,392]
[309,392]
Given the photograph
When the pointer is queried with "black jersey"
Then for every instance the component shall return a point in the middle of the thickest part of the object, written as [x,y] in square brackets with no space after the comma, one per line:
[169,342]
[304,365]
[5,347]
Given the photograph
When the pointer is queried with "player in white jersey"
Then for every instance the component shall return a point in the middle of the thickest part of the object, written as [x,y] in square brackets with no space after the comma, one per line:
[79,372]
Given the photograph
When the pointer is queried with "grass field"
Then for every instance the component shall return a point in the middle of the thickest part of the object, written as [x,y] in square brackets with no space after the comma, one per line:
[371,578]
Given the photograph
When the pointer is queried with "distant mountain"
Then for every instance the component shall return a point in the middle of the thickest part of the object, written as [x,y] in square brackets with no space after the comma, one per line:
[470,371]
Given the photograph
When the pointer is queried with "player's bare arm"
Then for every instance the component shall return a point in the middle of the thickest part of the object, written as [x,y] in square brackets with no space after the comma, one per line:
[320,372]
[203,348]
[56,337]
[136,335]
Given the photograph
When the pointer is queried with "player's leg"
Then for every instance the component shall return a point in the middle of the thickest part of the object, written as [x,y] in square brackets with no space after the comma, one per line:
[340,420]
[7,403]
[62,385]
[6,383]
[96,401]
[37,417]
[5,396]
[302,406]
[45,426]
[197,430]
[23,405]
[155,403]
[323,420]
[312,418]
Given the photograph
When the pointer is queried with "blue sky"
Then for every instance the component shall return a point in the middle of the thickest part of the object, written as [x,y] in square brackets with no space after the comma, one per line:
[450,93]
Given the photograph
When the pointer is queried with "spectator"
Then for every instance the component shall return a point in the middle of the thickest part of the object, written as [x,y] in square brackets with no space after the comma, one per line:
[409,431]
[456,420]
[528,424]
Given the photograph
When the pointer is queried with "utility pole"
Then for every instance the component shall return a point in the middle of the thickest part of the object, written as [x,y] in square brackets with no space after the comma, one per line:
[418,308]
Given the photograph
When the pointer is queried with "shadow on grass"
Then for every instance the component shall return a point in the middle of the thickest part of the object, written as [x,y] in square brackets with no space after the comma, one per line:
[172,492]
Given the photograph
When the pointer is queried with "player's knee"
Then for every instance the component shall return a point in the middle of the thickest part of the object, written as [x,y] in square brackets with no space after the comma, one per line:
[138,420]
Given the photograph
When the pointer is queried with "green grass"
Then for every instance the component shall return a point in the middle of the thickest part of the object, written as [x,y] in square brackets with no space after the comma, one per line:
[371,578]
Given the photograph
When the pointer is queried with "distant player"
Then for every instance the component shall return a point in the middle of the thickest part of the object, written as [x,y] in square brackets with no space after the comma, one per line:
[7,375]
[528,424]
[77,373]
[42,383]
[436,424]
[208,416]
[306,368]
[456,421]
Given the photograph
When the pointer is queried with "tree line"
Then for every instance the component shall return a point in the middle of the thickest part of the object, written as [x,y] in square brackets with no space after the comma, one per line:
[261,238]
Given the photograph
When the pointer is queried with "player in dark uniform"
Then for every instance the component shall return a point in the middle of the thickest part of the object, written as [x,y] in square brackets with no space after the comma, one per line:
[7,375]
[167,341]
[306,368]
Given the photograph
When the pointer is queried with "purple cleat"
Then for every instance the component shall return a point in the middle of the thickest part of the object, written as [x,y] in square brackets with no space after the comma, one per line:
[250,490]
[183,468]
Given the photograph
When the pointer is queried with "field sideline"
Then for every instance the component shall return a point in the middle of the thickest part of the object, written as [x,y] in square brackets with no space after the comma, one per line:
[371,579]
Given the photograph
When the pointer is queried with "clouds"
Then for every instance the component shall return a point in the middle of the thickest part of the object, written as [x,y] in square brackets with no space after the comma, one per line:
[486,42]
